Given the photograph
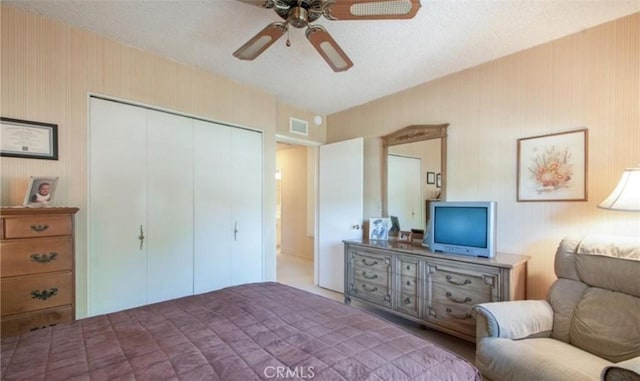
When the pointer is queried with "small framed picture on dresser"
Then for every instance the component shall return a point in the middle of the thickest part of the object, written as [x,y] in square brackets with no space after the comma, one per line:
[405,236]
[40,192]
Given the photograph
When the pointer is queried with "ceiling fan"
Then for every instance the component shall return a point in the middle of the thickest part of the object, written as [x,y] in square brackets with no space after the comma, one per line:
[301,13]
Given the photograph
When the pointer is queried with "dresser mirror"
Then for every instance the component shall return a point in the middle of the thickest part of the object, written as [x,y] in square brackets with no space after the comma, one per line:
[414,171]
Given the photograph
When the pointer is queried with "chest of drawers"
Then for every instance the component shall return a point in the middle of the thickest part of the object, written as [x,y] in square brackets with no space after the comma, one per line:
[36,268]
[434,289]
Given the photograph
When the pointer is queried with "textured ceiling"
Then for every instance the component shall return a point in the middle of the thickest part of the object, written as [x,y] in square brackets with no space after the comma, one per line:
[445,37]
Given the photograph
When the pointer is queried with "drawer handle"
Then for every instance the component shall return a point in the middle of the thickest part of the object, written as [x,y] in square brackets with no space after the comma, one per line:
[373,289]
[407,300]
[456,300]
[39,228]
[364,274]
[369,264]
[44,258]
[44,294]
[408,267]
[408,283]
[458,316]
[449,279]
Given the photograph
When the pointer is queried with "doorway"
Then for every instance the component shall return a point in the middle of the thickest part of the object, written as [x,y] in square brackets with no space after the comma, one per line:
[295,213]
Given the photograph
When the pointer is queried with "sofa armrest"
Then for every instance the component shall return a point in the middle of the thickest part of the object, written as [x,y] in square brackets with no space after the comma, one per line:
[628,370]
[514,319]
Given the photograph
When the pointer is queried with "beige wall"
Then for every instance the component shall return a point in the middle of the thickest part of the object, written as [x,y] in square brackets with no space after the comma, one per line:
[49,69]
[293,167]
[590,79]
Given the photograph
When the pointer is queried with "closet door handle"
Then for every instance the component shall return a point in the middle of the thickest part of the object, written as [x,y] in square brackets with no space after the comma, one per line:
[235,231]
[141,237]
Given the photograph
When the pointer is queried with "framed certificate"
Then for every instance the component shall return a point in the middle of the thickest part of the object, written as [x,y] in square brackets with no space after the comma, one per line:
[34,140]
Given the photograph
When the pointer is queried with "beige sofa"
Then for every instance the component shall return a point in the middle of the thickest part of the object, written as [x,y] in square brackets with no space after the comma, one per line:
[587,329]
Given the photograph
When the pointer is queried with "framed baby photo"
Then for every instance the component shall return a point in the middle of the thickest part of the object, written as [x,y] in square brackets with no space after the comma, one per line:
[40,192]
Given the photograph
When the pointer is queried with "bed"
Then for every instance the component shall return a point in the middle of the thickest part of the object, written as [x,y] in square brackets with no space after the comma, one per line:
[256,331]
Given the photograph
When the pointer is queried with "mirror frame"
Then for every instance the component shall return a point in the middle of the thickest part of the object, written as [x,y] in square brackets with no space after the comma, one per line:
[411,134]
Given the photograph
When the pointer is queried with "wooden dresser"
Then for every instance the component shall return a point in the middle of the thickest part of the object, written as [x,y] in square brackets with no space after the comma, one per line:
[37,268]
[434,289]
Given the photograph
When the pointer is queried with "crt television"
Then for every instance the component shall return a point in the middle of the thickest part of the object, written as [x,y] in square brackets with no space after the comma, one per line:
[463,227]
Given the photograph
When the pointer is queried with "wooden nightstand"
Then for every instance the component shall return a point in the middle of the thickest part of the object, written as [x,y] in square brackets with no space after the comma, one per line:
[37,268]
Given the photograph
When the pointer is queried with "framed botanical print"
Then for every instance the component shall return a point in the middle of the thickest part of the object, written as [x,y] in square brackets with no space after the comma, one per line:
[553,167]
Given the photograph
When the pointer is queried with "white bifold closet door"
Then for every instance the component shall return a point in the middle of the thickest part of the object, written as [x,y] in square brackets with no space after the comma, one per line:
[175,206]
[117,207]
[228,216]
[140,208]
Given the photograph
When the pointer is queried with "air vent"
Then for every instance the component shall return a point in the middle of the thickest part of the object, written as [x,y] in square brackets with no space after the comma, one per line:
[298,126]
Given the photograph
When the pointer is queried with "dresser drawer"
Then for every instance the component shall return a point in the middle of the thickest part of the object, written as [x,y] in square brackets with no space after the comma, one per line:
[450,277]
[376,293]
[408,303]
[369,276]
[457,296]
[457,318]
[23,257]
[371,262]
[35,292]
[16,324]
[408,268]
[37,226]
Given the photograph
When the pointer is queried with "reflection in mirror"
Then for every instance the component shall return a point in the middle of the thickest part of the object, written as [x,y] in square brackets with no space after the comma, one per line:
[414,173]
[412,169]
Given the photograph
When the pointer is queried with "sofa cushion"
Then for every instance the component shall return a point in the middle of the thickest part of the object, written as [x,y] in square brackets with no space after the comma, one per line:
[610,272]
[612,246]
[564,296]
[606,323]
[565,258]
[536,359]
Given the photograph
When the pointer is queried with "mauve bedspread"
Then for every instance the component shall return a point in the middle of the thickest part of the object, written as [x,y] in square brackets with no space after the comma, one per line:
[260,331]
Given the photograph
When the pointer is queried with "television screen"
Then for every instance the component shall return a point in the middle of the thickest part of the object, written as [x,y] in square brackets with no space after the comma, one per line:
[463,227]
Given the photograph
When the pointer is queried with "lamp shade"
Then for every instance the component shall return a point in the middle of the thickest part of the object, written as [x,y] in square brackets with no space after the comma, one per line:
[626,195]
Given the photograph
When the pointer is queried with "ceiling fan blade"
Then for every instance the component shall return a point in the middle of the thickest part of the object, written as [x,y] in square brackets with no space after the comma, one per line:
[259,3]
[261,41]
[328,48]
[372,9]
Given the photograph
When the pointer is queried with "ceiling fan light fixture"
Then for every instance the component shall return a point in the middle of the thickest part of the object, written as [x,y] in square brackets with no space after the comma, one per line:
[298,17]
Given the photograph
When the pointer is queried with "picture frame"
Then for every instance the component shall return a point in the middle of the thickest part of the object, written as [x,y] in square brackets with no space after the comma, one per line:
[379,228]
[27,139]
[40,192]
[553,167]
[431,177]
[438,180]
[405,236]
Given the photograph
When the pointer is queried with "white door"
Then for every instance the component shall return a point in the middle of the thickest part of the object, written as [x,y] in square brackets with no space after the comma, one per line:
[246,161]
[404,186]
[117,207]
[340,203]
[213,222]
[170,206]
[228,213]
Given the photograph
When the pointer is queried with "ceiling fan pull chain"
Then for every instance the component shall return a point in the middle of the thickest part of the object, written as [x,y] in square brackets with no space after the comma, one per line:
[288,43]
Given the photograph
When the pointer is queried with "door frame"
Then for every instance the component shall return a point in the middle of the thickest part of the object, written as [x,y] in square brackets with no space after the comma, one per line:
[308,143]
